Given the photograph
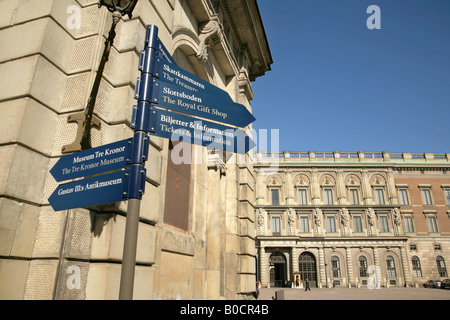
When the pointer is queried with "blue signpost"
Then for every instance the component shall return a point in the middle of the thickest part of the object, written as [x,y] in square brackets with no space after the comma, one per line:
[162,84]
[93,161]
[106,188]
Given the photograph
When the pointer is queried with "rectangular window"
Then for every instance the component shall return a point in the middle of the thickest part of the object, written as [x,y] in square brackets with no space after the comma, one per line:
[304,224]
[409,226]
[331,224]
[432,225]
[302,197]
[354,196]
[379,196]
[275,197]
[447,195]
[384,226]
[276,225]
[426,196]
[403,194]
[357,224]
[328,194]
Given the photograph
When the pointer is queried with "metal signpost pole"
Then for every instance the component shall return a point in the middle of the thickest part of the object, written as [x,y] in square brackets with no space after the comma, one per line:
[141,125]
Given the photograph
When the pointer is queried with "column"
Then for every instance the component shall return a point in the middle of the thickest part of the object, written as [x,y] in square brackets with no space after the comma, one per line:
[392,194]
[315,187]
[340,187]
[366,188]
[260,187]
[376,260]
[289,187]
[322,278]
[405,266]
[350,277]
[263,266]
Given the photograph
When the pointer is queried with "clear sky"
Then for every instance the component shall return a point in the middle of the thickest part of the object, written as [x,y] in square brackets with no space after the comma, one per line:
[336,85]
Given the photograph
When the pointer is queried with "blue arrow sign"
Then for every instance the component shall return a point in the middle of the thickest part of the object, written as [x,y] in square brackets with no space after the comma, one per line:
[179,127]
[200,104]
[162,81]
[107,188]
[93,161]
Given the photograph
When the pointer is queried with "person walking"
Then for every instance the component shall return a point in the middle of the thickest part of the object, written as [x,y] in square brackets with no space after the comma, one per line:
[307,285]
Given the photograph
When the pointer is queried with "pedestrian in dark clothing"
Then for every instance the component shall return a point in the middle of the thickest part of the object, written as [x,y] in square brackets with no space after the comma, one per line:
[307,285]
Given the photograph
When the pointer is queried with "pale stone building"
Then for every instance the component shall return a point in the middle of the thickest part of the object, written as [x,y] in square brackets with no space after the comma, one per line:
[352,218]
[196,231]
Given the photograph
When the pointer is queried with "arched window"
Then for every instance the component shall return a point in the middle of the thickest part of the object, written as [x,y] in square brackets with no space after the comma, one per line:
[441,267]
[336,267]
[390,267]
[362,263]
[417,270]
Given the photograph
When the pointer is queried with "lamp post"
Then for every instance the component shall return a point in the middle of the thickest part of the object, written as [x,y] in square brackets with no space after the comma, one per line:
[86,119]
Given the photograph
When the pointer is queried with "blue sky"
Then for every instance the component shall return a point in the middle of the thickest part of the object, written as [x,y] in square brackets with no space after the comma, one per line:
[337,85]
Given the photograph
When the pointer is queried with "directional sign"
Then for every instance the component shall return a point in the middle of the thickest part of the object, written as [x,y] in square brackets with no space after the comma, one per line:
[96,190]
[178,98]
[180,127]
[93,161]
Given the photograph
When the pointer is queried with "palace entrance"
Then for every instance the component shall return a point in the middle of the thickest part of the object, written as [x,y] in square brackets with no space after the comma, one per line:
[307,268]
[277,263]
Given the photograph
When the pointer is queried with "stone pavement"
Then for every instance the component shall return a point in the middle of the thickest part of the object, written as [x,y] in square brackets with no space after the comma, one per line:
[392,293]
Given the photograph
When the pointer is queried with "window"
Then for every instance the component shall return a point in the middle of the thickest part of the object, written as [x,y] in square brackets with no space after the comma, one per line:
[432,224]
[379,196]
[384,225]
[328,194]
[275,193]
[357,224]
[447,195]
[331,224]
[417,270]
[276,225]
[335,267]
[426,196]
[302,197]
[362,264]
[412,247]
[390,267]
[403,194]
[354,196]
[441,267]
[409,225]
[304,224]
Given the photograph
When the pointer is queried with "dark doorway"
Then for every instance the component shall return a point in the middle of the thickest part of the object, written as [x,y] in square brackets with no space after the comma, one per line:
[307,268]
[278,272]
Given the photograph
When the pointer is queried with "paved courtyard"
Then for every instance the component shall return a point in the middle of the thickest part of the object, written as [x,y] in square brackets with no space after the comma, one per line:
[357,294]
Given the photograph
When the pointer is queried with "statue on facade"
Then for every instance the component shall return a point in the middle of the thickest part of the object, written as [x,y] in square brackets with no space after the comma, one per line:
[261,221]
[371,221]
[291,221]
[345,218]
[397,220]
[317,213]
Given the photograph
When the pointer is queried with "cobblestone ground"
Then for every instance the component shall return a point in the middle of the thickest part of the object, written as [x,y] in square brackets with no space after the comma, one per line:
[357,294]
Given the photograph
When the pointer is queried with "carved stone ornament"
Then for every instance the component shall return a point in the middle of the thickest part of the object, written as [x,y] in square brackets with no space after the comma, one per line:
[211,30]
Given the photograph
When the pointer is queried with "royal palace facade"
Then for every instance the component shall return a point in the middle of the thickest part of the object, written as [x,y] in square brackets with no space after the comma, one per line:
[352,218]
[68,63]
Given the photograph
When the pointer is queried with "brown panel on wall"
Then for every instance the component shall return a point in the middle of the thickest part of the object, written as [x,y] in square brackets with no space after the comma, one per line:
[176,212]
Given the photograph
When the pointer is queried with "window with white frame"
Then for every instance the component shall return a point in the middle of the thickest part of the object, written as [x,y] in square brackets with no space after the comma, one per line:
[331,223]
[384,225]
[304,224]
[354,198]
[417,269]
[302,197]
[447,195]
[275,196]
[276,224]
[328,195]
[390,267]
[426,196]
[432,223]
[403,195]
[409,224]
[379,196]
[357,224]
